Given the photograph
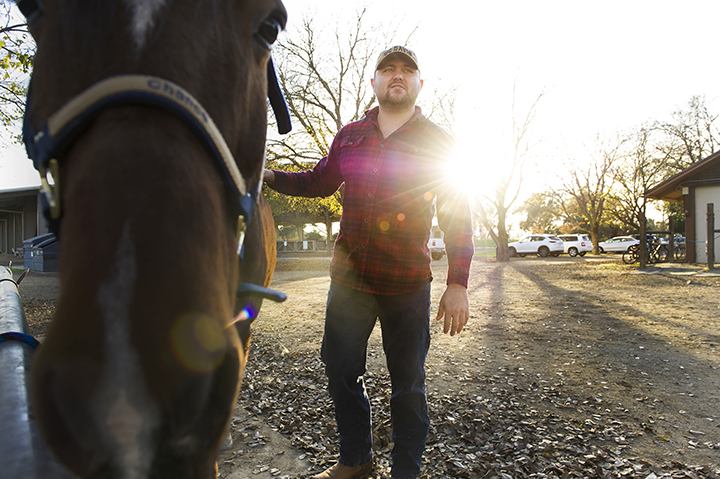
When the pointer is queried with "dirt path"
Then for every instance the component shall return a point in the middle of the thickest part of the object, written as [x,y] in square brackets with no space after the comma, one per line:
[568,368]
[581,362]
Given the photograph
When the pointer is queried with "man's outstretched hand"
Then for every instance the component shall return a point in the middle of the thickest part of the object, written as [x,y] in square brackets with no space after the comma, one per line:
[268,176]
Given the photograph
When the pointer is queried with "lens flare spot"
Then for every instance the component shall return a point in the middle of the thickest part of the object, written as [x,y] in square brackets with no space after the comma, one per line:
[401,217]
[199,342]
[248,312]
[428,196]
[384,226]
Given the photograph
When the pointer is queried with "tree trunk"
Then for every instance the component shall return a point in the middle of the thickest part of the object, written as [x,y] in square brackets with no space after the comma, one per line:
[503,255]
[595,238]
[328,229]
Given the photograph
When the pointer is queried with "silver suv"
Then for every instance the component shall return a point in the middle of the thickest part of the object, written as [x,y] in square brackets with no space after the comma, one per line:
[576,244]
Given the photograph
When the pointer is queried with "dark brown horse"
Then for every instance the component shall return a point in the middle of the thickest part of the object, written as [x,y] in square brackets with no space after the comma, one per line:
[139,372]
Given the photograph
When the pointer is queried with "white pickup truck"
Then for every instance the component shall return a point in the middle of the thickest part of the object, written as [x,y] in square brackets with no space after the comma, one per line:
[437,247]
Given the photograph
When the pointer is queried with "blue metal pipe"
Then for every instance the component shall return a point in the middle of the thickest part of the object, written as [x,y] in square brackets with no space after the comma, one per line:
[23,454]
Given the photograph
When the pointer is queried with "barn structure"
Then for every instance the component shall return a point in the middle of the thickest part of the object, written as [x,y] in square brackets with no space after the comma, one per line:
[19,218]
[696,187]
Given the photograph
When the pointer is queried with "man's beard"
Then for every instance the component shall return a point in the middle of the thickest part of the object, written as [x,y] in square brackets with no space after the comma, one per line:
[396,102]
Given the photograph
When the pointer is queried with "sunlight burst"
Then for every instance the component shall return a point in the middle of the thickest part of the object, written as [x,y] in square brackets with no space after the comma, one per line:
[468,172]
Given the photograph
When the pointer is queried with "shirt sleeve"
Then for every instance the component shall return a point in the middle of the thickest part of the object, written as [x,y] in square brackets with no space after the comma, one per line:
[322,181]
[455,221]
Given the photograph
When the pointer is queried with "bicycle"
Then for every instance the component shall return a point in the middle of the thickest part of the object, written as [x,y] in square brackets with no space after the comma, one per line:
[679,253]
[654,253]
[632,255]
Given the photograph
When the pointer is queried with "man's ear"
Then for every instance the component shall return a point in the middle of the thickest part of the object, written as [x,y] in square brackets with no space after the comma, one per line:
[372,82]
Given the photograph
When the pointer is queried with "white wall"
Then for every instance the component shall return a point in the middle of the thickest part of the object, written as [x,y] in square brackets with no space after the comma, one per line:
[703,196]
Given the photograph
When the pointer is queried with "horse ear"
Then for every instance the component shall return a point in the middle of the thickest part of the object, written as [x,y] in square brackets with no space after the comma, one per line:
[32,10]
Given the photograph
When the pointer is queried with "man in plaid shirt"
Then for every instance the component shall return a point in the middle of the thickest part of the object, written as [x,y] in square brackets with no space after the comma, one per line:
[393,163]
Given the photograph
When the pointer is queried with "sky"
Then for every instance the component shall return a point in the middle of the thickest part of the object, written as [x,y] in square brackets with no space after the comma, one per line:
[603,68]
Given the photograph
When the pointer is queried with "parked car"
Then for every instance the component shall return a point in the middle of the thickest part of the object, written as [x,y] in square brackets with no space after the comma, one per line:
[618,244]
[576,244]
[651,238]
[541,245]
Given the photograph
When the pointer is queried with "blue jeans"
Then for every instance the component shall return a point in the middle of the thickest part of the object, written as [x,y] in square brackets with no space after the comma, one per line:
[405,322]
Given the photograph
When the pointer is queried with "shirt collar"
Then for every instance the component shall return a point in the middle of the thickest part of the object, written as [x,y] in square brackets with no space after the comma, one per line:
[372,115]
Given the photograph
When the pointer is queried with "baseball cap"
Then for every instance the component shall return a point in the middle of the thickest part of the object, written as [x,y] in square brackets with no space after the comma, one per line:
[400,50]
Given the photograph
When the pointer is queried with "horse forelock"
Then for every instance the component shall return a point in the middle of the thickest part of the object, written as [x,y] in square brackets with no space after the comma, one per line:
[144,13]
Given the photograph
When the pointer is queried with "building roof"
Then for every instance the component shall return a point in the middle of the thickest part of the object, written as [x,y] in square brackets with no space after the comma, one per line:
[703,173]
[12,198]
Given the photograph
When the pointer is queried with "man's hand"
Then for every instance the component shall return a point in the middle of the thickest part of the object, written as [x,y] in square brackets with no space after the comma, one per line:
[268,176]
[454,307]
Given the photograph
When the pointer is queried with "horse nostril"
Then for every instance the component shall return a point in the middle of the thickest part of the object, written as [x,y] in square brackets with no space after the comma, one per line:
[61,404]
[97,424]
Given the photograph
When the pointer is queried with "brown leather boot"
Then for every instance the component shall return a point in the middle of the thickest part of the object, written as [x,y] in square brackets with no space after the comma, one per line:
[338,471]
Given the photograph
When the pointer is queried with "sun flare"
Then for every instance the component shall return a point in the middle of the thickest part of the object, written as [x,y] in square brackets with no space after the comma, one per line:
[468,172]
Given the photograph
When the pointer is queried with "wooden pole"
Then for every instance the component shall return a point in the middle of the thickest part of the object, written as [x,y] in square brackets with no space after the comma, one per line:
[711,235]
[671,240]
[643,241]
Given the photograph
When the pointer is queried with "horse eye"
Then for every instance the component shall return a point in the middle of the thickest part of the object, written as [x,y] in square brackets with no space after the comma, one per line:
[269,31]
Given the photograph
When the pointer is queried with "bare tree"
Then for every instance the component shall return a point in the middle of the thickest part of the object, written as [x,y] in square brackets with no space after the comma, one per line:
[587,189]
[492,210]
[325,74]
[691,135]
[643,165]
[325,78]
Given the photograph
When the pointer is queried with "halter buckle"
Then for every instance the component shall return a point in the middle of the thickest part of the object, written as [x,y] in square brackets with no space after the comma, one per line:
[51,190]
[240,235]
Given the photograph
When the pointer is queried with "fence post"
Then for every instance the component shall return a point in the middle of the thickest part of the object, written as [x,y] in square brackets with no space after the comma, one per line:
[711,235]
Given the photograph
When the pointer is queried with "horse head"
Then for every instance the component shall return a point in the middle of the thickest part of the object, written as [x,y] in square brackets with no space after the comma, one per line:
[154,195]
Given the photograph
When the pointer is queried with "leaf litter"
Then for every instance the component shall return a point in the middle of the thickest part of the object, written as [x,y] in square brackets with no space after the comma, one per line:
[497,435]
[551,379]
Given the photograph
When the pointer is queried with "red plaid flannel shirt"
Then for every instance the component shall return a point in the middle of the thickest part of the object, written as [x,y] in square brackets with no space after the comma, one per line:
[388,206]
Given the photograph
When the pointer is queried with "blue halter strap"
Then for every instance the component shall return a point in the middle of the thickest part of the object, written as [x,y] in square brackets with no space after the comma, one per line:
[47,146]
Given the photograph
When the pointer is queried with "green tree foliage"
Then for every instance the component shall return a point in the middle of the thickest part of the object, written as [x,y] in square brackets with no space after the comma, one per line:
[295,208]
[17,49]
[541,213]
